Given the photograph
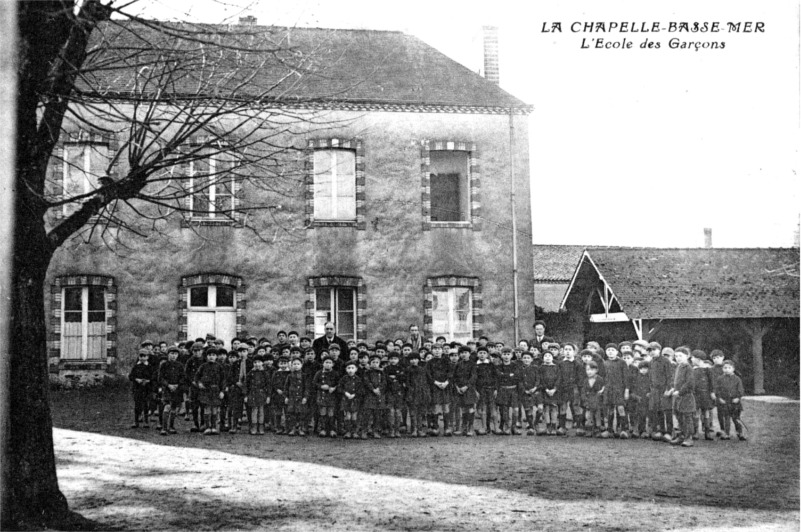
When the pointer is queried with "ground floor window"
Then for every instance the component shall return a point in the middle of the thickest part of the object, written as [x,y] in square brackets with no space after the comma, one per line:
[338,305]
[83,331]
[452,313]
[211,309]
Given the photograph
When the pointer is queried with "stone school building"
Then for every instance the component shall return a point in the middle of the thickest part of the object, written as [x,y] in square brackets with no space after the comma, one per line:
[401,217]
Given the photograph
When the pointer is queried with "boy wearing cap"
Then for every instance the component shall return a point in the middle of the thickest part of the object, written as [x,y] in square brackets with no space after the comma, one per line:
[464,388]
[141,376]
[171,379]
[210,379]
[661,374]
[529,377]
[702,378]
[439,375]
[350,388]
[311,418]
[234,394]
[375,389]
[683,397]
[396,390]
[192,366]
[571,373]
[617,392]
[295,390]
[716,371]
[277,403]
[486,386]
[257,391]
[418,395]
[326,381]
[549,385]
[508,393]
[729,392]
[592,389]
[639,393]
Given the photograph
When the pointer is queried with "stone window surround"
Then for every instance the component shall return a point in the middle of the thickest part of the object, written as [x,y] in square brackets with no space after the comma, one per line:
[450,281]
[56,363]
[475,183]
[199,279]
[334,281]
[355,144]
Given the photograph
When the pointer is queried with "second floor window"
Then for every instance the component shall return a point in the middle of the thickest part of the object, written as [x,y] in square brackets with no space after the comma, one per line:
[450,186]
[84,164]
[335,185]
[212,188]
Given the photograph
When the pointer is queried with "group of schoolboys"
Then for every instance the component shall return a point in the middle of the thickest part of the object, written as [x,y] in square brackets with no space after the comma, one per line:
[634,391]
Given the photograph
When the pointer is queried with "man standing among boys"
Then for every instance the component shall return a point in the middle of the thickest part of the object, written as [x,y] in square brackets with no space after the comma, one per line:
[539,331]
[415,340]
[323,343]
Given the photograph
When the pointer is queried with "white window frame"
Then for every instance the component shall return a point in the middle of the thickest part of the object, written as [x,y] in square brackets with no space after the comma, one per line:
[464,188]
[335,199]
[332,315]
[451,291]
[86,147]
[212,299]
[212,189]
[84,320]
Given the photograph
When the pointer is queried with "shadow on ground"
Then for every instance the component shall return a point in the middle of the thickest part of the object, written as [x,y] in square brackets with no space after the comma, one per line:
[761,474]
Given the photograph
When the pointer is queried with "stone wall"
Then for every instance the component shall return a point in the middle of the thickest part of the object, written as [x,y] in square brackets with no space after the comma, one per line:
[394,254]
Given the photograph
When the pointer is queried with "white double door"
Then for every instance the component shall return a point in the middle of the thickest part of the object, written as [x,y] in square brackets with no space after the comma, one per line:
[220,323]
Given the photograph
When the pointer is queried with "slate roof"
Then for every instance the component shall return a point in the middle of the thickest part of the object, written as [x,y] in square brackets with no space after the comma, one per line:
[555,263]
[653,283]
[305,64]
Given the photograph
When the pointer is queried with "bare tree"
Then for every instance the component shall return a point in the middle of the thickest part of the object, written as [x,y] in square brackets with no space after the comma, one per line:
[182,116]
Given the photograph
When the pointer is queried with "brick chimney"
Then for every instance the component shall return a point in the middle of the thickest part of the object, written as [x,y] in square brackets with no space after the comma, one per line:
[491,67]
[707,237]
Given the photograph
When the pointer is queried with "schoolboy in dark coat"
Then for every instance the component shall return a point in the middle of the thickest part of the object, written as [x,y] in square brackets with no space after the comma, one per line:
[375,384]
[729,392]
[210,379]
[351,390]
[592,390]
[464,390]
[486,386]
[683,398]
[661,374]
[439,377]
[325,385]
[418,394]
[171,380]
[257,390]
[141,376]
[295,390]
[616,392]
[571,373]
[639,391]
[509,386]
[234,395]
[549,385]
[702,376]
[396,391]
[194,363]
[529,378]
[278,399]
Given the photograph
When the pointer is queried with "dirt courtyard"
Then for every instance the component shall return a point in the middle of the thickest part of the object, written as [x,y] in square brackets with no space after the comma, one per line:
[136,479]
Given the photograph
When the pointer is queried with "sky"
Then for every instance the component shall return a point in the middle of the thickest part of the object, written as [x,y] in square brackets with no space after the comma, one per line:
[629,147]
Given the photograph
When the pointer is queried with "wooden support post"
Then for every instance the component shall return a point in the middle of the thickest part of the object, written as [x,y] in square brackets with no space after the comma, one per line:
[756,330]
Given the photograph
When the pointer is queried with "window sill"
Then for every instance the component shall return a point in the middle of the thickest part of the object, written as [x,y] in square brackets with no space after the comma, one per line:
[194,222]
[452,225]
[333,223]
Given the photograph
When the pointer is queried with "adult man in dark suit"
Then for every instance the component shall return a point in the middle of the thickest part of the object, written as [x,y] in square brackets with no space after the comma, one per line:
[539,331]
[324,342]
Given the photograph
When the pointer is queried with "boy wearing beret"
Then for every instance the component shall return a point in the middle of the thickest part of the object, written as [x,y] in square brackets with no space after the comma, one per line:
[486,387]
[234,394]
[508,393]
[141,376]
[194,363]
[716,371]
[683,397]
[639,394]
[728,389]
[295,390]
[529,378]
